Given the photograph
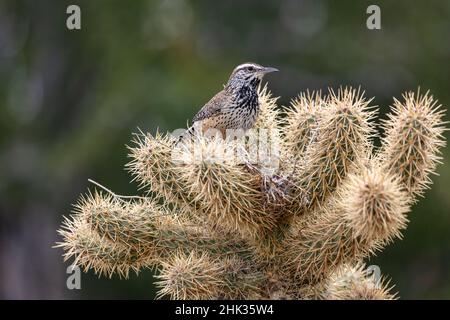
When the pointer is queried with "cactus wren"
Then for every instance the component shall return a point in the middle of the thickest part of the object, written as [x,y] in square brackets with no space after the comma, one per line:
[237,105]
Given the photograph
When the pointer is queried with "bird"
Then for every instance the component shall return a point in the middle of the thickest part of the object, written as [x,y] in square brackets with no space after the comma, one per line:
[236,106]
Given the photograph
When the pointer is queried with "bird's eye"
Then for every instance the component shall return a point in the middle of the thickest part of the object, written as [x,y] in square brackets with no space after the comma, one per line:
[250,68]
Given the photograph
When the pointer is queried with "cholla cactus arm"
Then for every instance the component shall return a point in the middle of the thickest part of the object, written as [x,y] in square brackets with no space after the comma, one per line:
[229,194]
[197,275]
[153,167]
[339,142]
[265,139]
[111,235]
[368,210]
[301,122]
[269,116]
[146,224]
[91,251]
[133,224]
[191,276]
[411,147]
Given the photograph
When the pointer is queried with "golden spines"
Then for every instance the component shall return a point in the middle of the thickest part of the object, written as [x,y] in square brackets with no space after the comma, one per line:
[191,276]
[198,275]
[299,130]
[269,116]
[153,167]
[374,205]
[301,122]
[339,142]
[264,140]
[133,224]
[129,235]
[414,136]
[369,211]
[92,251]
[314,248]
[228,191]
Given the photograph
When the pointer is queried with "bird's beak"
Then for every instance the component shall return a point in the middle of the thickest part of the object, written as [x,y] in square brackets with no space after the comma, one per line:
[269,69]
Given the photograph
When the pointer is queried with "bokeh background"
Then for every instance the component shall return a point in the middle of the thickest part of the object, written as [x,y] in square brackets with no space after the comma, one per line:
[70,100]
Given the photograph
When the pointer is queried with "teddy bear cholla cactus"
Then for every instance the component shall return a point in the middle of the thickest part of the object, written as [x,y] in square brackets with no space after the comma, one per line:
[295,222]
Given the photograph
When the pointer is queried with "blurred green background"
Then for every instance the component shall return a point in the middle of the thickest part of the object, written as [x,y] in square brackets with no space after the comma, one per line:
[70,100]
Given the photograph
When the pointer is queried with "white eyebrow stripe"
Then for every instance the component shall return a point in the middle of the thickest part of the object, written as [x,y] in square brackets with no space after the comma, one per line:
[246,65]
